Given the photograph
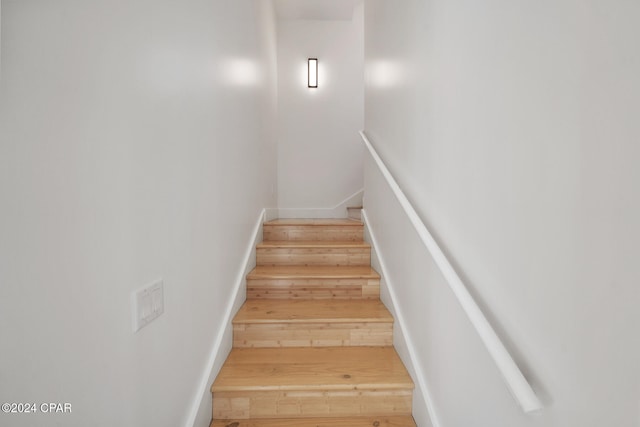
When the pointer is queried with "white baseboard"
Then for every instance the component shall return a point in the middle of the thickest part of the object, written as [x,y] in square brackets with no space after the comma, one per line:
[408,349]
[337,211]
[200,414]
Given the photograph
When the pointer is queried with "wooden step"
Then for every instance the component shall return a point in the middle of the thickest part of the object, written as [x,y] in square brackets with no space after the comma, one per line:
[399,421]
[313,282]
[312,323]
[313,229]
[311,382]
[303,252]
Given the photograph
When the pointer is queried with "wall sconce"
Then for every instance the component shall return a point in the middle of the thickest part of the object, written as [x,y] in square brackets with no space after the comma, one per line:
[312,73]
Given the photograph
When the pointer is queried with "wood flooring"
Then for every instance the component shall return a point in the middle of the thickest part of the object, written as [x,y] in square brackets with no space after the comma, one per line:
[313,342]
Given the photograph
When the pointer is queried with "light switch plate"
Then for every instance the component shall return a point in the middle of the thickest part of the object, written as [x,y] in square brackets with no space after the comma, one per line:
[148,304]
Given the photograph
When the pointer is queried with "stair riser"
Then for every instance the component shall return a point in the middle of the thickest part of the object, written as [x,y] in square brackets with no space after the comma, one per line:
[381,421]
[314,256]
[313,289]
[275,372]
[281,404]
[312,334]
[301,232]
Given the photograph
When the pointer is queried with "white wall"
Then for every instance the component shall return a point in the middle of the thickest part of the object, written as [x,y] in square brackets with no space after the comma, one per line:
[137,142]
[512,127]
[319,154]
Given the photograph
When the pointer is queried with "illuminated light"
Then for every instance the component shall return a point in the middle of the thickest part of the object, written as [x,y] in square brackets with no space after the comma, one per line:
[312,72]
[385,74]
[240,72]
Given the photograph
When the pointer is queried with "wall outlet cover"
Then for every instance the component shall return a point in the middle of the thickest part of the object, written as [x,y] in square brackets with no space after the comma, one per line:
[148,304]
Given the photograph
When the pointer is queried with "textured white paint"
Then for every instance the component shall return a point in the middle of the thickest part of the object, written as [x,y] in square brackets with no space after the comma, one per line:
[137,140]
[512,128]
[319,152]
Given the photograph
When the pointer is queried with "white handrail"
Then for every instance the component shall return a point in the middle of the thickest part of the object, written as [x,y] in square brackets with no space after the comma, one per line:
[516,382]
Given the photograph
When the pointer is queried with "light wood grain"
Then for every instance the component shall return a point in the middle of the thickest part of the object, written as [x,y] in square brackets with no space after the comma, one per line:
[317,222]
[292,289]
[312,323]
[385,421]
[312,335]
[313,282]
[289,253]
[312,312]
[304,404]
[313,340]
[333,368]
[313,244]
[326,229]
[313,272]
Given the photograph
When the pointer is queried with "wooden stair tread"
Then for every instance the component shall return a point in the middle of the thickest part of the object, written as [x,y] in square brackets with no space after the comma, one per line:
[325,369]
[268,244]
[313,311]
[313,272]
[315,222]
[385,421]
[312,345]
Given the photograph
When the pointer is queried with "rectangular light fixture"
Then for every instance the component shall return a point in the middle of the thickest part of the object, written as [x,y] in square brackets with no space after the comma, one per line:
[312,65]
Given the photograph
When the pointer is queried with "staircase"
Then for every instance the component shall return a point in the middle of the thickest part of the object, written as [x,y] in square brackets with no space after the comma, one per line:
[312,345]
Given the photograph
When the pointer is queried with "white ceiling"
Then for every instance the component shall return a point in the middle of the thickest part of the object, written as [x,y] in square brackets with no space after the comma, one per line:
[326,10]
